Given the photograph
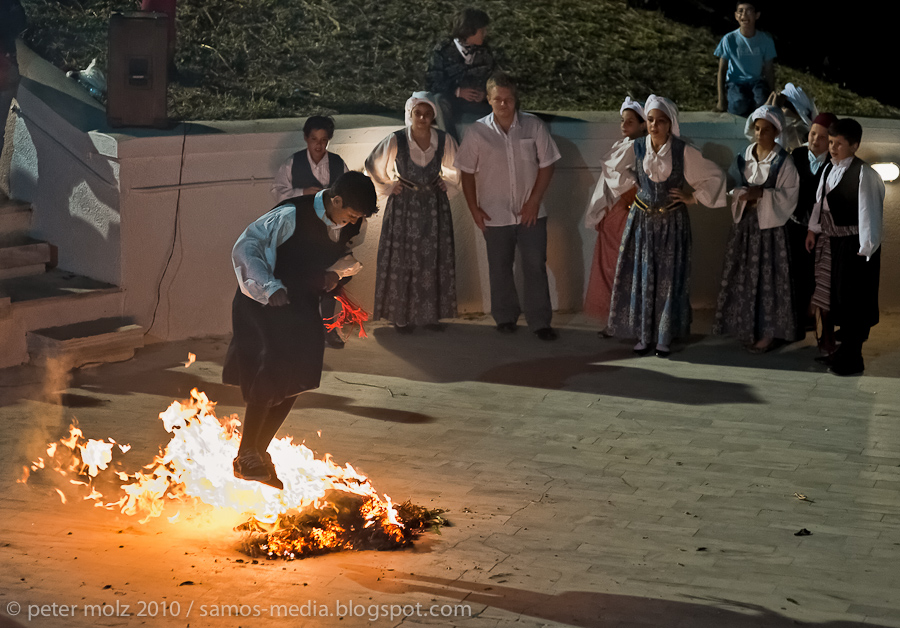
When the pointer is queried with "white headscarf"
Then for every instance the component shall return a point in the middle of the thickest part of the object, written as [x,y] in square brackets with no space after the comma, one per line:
[804,105]
[770,113]
[667,107]
[416,99]
[634,105]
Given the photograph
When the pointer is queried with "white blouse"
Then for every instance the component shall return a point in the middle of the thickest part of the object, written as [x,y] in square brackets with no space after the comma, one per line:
[598,205]
[777,204]
[381,163]
[704,176]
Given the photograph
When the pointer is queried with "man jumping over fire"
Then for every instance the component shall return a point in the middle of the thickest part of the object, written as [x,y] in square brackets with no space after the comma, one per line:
[284,261]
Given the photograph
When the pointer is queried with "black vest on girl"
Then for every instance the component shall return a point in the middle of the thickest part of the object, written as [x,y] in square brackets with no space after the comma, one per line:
[302,175]
[809,184]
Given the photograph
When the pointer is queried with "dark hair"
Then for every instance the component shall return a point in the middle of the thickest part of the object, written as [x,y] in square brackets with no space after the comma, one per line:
[467,22]
[756,5]
[315,123]
[357,191]
[502,79]
[849,128]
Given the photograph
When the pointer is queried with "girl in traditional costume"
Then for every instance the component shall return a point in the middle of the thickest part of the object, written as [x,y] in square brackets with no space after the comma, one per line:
[413,169]
[651,290]
[756,301]
[610,221]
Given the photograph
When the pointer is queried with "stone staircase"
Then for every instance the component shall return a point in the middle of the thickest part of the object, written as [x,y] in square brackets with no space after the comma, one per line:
[47,314]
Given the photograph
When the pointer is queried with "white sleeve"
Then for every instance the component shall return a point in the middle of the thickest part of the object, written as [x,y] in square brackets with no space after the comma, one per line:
[448,168]
[380,166]
[282,188]
[547,150]
[616,178]
[467,155]
[816,216]
[349,265]
[618,171]
[777,204]
[871,211]
[254,253]
[705,177]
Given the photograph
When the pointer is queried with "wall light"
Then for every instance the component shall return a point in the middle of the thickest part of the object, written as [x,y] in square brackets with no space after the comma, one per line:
[889,171]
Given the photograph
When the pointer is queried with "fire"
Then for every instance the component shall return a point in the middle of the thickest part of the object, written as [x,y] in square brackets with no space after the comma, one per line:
[191,359]
[323,506]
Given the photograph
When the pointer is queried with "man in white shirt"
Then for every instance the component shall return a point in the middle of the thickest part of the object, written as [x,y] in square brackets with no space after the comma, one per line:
[506,163]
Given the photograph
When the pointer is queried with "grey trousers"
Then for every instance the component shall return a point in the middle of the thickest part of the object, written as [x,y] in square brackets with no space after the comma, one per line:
[501,252]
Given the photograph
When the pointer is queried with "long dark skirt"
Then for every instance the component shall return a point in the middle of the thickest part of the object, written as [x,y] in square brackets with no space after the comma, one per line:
[276,352]
[756,299]
[651,291]
[416,278]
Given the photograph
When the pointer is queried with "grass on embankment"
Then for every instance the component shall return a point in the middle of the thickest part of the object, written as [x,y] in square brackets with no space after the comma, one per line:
[245,59]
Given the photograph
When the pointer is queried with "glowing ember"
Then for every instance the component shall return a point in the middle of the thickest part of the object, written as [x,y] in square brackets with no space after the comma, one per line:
[323,506]
[191,359]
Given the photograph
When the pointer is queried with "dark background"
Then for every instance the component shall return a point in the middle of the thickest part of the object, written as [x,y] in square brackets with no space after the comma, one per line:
[852,44]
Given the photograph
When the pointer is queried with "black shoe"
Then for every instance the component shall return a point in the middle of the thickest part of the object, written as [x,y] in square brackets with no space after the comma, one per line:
[253,468]
[604,334]
[404,329]
[546,333]
[663,354]
[507,328]
[333,339]
[642,352]
[846,368]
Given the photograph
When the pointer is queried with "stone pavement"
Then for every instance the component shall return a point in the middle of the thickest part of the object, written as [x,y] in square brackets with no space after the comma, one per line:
[586,487]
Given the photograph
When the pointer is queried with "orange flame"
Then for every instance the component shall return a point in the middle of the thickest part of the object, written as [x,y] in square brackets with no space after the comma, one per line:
[197,463]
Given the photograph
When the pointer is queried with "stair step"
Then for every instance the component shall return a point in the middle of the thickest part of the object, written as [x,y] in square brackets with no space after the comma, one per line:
[15,218]
[24,252]
[55,284]
[71,346]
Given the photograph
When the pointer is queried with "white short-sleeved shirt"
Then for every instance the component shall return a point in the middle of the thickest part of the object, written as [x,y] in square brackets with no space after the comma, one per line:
[506,165]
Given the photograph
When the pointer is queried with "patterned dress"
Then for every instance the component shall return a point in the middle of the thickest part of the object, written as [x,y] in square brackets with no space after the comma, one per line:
[651,291]
[756,299]
[416,277]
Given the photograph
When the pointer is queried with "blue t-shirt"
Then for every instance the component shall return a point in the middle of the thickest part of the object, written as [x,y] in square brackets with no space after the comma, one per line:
[746,56]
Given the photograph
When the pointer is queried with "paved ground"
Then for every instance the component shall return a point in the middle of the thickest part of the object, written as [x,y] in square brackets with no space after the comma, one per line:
[587,487]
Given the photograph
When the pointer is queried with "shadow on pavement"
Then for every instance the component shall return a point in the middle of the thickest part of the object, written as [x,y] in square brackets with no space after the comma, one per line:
[588,609]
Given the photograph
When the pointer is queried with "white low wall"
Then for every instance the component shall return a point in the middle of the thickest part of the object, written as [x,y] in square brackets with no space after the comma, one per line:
[118,206]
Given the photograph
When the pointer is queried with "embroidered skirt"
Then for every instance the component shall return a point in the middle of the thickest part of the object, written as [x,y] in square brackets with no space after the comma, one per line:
[651,291]
[756,299]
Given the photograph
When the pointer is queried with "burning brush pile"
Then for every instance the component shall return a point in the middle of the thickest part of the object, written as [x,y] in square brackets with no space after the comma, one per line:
[323,507]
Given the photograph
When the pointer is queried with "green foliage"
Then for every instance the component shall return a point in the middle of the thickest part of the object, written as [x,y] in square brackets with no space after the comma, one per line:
[244,59]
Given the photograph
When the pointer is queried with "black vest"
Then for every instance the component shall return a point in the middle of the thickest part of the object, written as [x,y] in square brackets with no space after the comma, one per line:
[843,200]
[809,183]
[301,172]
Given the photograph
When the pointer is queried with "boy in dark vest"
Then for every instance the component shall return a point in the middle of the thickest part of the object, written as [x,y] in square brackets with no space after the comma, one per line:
[845,231]
[310,171]
[284,261]
[810,161]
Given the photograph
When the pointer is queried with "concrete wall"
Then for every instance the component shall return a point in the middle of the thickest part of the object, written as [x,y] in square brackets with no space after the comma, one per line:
[158,214]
